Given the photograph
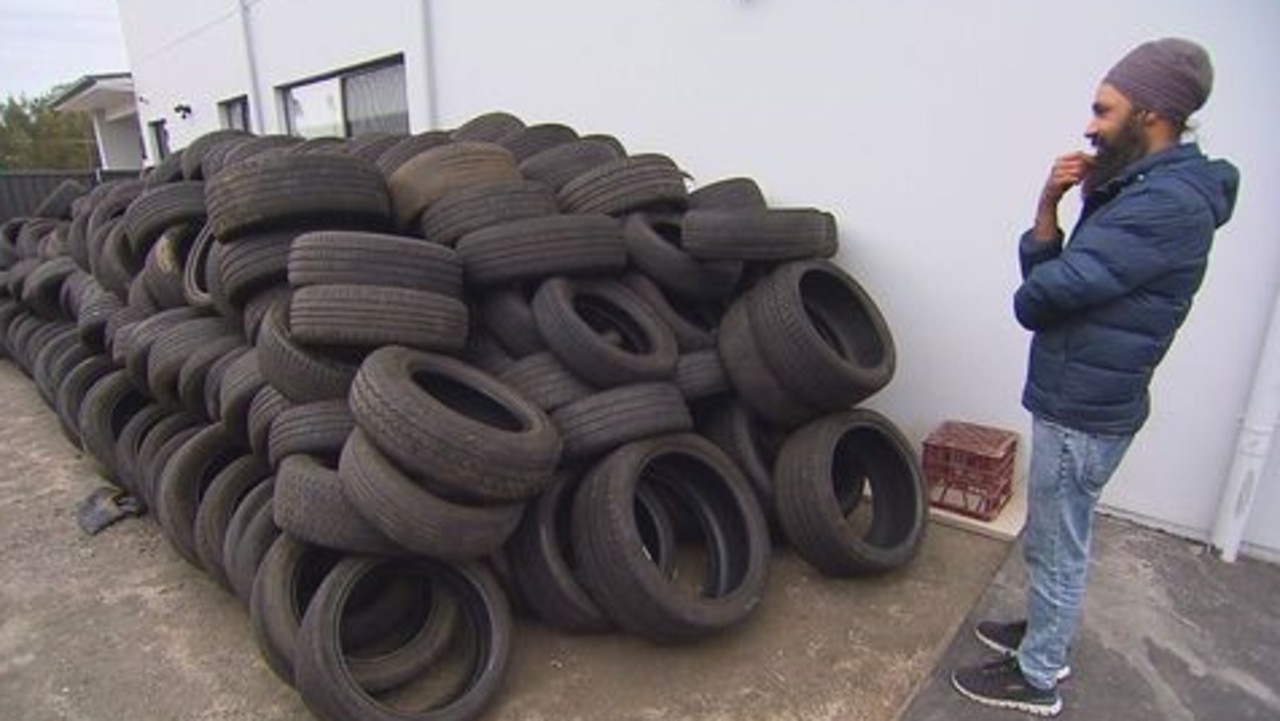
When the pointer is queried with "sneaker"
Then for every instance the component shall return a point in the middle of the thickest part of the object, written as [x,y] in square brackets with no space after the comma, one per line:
[1004,638]
[1001,684]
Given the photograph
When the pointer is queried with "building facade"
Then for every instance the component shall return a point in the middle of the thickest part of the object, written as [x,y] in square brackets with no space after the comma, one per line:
[927,127]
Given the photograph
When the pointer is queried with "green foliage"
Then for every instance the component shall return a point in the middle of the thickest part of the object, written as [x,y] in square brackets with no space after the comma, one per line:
[33,136]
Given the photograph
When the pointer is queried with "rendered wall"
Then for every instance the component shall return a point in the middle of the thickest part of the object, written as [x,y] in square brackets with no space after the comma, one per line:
[926,126]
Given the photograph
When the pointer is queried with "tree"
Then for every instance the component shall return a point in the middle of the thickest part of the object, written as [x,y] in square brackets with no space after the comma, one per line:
[34,136]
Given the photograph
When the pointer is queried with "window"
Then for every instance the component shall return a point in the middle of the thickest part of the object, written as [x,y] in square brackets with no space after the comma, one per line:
[350,102]
[234,113]
[159,139]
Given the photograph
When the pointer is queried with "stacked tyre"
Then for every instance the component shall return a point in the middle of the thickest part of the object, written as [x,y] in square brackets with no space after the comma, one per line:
[378,386]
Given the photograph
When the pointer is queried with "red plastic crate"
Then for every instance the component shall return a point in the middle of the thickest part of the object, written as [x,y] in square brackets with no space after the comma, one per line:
[969,468]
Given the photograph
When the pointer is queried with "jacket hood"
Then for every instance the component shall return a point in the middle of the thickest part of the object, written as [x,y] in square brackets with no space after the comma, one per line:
[1217,181]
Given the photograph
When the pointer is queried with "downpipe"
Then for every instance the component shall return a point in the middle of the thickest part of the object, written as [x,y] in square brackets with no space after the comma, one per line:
[1253,447]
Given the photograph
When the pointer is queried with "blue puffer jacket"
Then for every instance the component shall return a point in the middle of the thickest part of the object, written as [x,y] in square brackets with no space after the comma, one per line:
[1105,308]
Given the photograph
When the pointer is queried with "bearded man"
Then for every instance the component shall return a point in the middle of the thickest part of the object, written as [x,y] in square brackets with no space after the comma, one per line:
[1104,308]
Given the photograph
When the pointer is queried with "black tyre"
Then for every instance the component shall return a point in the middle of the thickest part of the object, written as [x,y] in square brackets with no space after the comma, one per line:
[451,424]
[195,371]
[471,209]
[823,471]
[576,319]
[309,504]
[157,209]
[288,578]
[267,405]
[330,190]
[414,517]
[72,390]
[108,405]
[630,183]
[603,421]
[372,316]
[693,324]
[491,127]
[129,442]
[774,234]
[655,246]
[556,166]
[224,494]
[303,375]
[752,380]
[403,151]
[240,384]
[175,345]
[183,481]
[337,258]
[252,263]
[700,375]
[429,176]
[251,546]
[317,429]
[545,381]
[537,138]
[327,682]
[821,334]
[620,575]
[537,248]
[751,443]
[727,194]
[507,315]
[543,562]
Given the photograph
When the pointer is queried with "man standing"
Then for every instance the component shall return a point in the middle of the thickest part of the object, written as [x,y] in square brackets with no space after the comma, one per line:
[1104,308]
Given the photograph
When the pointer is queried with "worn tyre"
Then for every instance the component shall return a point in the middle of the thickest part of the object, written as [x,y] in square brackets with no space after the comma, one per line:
[336,191]
[622,578]
[326,682]
[372,316]
[624,185]
[351,258]
[310,505]
[471,209]
[601,422]
[575,318]
[302,374]
[468,433]
[537,248]
[413,516]
[821,334]
[821,471]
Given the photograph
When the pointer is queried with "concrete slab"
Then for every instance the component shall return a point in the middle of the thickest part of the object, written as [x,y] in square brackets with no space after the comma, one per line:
[117,626]
[1169,633]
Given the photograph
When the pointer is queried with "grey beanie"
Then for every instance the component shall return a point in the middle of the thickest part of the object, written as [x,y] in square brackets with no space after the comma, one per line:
[1172,77]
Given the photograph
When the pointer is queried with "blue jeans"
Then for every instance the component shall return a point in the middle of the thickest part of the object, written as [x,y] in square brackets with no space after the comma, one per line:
[1068,471]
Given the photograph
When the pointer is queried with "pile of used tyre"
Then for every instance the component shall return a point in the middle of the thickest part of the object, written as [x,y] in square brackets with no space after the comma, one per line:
[383,389]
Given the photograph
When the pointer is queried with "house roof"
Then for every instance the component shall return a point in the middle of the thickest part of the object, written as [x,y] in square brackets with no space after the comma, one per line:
[110,92]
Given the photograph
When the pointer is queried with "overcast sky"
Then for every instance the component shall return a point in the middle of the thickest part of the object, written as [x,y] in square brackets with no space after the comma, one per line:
[44,43]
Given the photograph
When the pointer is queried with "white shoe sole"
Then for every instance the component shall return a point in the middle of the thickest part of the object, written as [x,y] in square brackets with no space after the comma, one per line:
[1035,710]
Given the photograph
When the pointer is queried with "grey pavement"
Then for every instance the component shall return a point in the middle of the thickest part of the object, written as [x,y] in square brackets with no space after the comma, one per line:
[1169,633]
[117,626]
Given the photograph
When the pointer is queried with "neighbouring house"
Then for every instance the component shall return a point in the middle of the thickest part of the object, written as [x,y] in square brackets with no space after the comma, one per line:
[109,100]
[926,127]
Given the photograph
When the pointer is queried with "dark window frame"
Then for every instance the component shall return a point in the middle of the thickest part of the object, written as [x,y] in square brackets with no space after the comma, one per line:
[159,131]
[231,107]
[283,91]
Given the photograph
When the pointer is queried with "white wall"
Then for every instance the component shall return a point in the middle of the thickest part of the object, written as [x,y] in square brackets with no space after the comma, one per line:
[189,53]
[119,144]
[194,52]
[926,126]
[299,39]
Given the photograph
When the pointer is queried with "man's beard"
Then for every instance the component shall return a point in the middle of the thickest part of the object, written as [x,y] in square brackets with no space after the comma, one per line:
[1116,154]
